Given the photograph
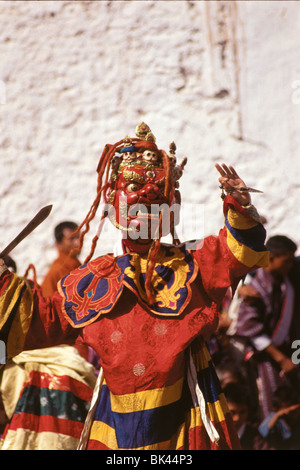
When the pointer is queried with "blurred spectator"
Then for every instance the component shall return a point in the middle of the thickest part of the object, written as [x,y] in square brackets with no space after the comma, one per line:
[238,403]
[265,322]
[229,372]
[67,244]
[281,428]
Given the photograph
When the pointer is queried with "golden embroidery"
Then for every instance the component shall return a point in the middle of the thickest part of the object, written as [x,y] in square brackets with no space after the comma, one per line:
[165,294]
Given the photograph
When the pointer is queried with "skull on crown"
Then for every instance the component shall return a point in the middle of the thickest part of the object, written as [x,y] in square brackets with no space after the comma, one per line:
[150,156]
[129,156]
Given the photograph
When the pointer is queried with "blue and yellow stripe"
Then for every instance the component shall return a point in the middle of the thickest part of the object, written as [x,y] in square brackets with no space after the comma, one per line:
[158,419]
[245,239]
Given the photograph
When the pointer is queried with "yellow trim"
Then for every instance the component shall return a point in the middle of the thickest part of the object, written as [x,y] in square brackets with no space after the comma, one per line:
[9,298]
[165,296]
[103,433]
[22,319]
[201,358]
[20,326]
[195,419]
[239,221]
[245,255]
[146,399]
[216,412]
[218,409]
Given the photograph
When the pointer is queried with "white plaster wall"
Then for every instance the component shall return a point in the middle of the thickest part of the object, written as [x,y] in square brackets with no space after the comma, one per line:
[221,79]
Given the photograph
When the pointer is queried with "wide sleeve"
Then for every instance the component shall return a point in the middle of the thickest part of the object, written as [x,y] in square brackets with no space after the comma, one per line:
[239,248]
[28,320]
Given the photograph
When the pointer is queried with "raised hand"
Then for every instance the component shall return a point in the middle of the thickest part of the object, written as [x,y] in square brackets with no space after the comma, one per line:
[233,184]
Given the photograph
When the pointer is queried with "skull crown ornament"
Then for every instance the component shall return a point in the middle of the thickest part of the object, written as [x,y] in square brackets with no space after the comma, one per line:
[133,152]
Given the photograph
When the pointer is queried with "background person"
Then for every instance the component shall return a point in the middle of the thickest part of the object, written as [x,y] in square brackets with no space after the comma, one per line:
[266,321]
[67,244]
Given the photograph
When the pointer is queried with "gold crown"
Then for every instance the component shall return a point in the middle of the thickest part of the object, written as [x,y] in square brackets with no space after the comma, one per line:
[143,132]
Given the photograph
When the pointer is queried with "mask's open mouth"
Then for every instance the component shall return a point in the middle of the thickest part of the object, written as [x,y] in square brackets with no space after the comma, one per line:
[141,219]
[144,211]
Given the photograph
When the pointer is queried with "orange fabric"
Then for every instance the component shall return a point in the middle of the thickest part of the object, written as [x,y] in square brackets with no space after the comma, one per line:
[59,268]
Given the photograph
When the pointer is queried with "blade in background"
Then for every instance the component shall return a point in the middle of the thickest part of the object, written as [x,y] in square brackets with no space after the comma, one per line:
[35,222]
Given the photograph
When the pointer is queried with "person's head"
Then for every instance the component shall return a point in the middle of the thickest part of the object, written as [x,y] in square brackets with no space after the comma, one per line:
[238,403]
[228,372]
[66,239]
[284,397]
[282,252]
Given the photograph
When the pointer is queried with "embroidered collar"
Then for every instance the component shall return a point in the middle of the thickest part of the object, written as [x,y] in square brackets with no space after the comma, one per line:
[94,288]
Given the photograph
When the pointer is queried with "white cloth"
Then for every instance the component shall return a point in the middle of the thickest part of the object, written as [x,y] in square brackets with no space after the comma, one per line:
[198,395]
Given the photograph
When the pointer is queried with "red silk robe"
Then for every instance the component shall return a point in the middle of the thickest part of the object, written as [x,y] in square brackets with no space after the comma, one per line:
[159,388]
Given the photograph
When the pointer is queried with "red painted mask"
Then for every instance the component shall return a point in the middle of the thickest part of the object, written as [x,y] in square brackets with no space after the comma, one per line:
[136,199]
[142,201]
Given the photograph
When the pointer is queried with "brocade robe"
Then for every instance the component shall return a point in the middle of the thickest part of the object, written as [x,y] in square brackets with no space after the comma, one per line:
[159,389]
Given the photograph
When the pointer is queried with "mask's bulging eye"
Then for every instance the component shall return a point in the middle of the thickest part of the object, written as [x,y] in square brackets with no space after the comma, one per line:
[132,187]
